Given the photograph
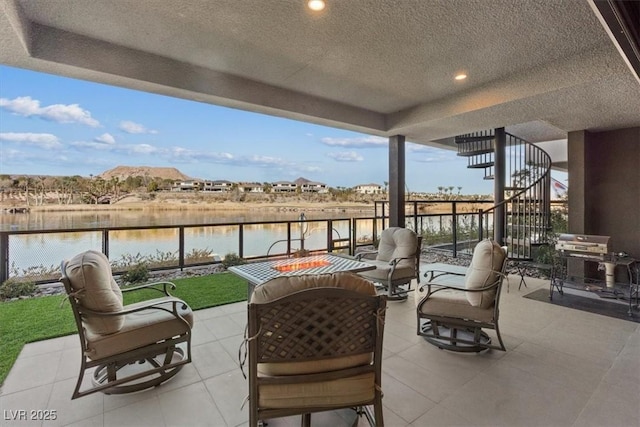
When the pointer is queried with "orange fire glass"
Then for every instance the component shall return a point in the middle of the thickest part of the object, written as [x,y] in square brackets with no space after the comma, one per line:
[301,265]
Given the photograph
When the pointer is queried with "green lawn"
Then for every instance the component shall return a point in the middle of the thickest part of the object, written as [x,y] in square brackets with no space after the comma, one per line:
[37,319]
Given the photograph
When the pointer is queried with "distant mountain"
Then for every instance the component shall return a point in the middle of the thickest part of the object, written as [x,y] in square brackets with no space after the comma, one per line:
[301,181]
[123,172]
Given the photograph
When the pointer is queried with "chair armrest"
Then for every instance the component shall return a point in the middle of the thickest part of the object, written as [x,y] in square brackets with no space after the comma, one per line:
[438,273]
[395,261]
[150,305]
[460,288]
[365,254]
[152,286]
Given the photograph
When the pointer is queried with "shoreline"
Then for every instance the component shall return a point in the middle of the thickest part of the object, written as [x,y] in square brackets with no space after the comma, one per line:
[191,202]
[207,206]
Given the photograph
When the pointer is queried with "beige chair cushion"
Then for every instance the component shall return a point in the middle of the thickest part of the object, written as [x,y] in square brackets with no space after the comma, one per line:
[141,328]
[397,242]
[343,391]
[90,273]
[381,273]
[485,269]
[285,285]
[453,303]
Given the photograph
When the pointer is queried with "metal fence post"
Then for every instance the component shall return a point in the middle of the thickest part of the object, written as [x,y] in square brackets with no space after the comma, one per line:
[181,248]
[4,257]
[454,228]
[355,234]
[105,242]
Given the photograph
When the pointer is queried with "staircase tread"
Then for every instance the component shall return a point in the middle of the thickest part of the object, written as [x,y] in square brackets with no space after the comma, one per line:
[480,138]
[480,165]
[475,152]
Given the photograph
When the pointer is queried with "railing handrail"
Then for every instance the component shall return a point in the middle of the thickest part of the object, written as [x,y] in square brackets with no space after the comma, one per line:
[352,238]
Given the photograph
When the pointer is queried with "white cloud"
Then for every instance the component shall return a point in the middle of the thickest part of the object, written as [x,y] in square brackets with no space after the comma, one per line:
[265,161]
[46,141]
[357,142]
[94,145]
[61,113]
[22,161]
[11,156]
[142,149]
[426,154]
[105,138]
[135,128]
[128,149]
[303,168]
[346,156]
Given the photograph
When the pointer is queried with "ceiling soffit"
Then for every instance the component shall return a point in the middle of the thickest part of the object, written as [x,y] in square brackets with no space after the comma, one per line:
[381,70]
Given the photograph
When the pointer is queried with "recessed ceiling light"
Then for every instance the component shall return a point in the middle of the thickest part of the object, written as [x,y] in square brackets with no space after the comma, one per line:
[316,5]
[460,76]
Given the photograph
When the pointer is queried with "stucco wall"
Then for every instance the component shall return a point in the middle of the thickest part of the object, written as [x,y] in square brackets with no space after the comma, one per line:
[604,187]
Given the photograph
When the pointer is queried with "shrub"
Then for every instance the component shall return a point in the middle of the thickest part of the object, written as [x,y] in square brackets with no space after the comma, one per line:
[138,274]
[232,259]
[13,288]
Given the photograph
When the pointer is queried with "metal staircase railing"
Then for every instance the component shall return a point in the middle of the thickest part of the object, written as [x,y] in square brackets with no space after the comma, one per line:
[527,199]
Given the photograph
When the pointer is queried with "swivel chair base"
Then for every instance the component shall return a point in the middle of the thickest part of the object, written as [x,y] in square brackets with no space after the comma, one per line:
[107,372]
[459,339]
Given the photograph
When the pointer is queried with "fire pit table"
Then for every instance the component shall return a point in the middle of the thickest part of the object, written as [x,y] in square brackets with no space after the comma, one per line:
[259,272]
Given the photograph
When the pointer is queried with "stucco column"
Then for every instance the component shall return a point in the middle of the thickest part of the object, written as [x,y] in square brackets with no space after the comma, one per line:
[396,181]
[499,168]
[576,162]
[576,166]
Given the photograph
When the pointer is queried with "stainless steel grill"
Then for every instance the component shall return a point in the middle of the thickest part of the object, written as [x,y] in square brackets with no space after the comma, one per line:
[583,245]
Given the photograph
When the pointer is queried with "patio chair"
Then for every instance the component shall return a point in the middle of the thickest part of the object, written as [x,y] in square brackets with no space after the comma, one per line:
[315,344]
[452,317]
[130,347]
[397,261]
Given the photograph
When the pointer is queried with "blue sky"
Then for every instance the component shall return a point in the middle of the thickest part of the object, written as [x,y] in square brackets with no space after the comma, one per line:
[51,125]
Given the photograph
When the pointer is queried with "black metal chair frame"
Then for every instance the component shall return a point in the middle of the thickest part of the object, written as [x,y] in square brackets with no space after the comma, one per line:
[278,332]
[394,292]
[452,332]
[165,358]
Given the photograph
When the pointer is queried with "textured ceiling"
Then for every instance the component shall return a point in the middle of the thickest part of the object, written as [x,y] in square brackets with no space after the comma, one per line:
[539,67]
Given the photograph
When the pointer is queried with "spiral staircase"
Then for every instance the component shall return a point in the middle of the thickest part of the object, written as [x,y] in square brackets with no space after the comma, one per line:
[520,218]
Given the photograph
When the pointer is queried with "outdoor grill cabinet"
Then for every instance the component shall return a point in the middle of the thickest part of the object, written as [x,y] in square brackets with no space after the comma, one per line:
[586,263]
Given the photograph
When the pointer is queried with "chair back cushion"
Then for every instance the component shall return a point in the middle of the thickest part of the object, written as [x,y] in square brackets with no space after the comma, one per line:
[397,242]
[485,269]
[286,285]
[89,275]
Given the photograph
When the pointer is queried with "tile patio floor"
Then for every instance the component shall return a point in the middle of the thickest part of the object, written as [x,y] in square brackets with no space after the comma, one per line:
[563,368]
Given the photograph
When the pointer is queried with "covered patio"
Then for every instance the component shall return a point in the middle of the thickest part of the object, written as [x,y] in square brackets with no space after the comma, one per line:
[561,74]
[547,71]
[563,367]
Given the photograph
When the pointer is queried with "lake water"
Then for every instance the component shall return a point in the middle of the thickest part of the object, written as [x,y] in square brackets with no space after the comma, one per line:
[42,252]
[150,217]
